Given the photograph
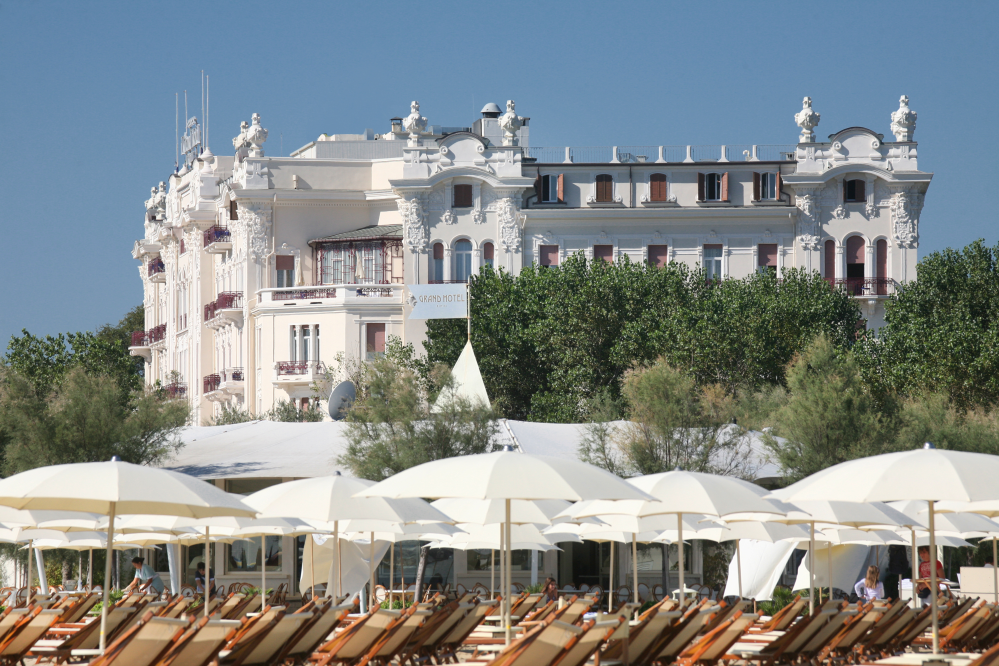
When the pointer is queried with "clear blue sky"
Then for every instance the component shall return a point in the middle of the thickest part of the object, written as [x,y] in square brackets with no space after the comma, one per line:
[87,105]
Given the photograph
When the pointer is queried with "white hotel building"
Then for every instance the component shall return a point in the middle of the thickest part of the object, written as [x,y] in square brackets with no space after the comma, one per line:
[259,270]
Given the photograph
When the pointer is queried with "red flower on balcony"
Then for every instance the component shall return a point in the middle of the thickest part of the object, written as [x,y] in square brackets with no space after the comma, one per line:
[216,234]
[211,383]
[139,339]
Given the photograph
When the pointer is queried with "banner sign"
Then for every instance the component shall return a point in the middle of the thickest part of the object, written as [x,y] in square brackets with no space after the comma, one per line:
[438,301]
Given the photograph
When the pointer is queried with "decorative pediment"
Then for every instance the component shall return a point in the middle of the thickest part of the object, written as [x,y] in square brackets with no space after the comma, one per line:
[462,149]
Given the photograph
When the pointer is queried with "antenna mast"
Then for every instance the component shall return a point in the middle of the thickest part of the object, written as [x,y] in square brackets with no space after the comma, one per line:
[202,101]
[208,92]
[176,129]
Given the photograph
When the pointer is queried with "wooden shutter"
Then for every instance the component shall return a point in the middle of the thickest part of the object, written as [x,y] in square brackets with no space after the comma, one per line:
[561,188]
[549,255]
[285,262]
[462,196]
[488,251]
[700,187]
[724,192]
[537,188]
[859,190]
[767,254]
[657,187]
[376,338]
[830,260]
[780,185]
[756,186]
[605,188]
[603,252]
[855,250]
[658,255]
[438,250]
[233,211]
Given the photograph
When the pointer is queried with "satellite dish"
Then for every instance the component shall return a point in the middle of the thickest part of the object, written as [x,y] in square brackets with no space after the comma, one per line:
[341,399]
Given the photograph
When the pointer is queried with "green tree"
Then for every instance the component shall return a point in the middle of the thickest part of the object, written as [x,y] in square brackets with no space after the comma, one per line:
[829,415]
[394,424]
[84,419]
[551,339]
[942,332]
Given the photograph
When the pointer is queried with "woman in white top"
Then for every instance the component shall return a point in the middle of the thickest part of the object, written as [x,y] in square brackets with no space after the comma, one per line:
[870,588]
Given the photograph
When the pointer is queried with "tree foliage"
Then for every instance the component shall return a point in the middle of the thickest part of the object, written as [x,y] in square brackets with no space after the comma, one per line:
[942,333]
[394,424]
[551,339]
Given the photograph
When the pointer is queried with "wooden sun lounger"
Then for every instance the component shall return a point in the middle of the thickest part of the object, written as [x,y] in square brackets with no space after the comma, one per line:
[541,646]
[325,620]
[17,642]
[144,643]
[81,640]
[448,647]
[672,643]
[585,646]
[228,606]
[844,642]
[200,644]
[394,642]
[786,647]
[715,645]
[266,645]
[431,645]
[629,643]
[355,642]
[785,616]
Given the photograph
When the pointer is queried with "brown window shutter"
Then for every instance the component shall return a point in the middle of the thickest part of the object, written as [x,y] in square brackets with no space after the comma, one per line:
[845,183]
[561,186]
[657,187]
[549,255]
[233,211]
[700,187]
[438,251]
[860,190]
[830,260]
[855,247]
[724,196]
[780,185]
[767,254]
[603,253]
[658,255]
[605,188]
[537,188]
[756,186]
[488,251]
[285,262]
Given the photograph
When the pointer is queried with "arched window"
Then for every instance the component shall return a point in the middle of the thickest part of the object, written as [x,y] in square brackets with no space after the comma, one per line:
[437,263]
[462,260]
[605,188]
[855,257]
[882,267]
[488,252]
[657,187]
[830,262]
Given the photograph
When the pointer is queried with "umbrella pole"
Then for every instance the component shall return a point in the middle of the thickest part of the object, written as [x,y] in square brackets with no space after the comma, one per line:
[508,572]
[634,568]
[492,573]
[208,568]
[934,589]
[502,568]
[31,555]
[679,525]
[811,569]
[339,570]
[90,571]
[391,571]
[371,571]
[312,562]
[107,579]
[738,563]
[610,581]
[995,573]
[829,565]
[263,572]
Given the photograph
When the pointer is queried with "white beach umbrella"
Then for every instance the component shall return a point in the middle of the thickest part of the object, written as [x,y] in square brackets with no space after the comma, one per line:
[928,474]
[113,487]
[329,500]
[505,475]
[486,511]
[988,508]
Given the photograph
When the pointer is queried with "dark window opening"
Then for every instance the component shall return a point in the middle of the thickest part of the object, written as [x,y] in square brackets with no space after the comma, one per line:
[462,196]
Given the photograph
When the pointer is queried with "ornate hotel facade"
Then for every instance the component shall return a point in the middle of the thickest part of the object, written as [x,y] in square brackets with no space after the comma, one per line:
[258,272]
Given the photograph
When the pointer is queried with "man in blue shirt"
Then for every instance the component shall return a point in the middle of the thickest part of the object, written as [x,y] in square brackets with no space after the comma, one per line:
[145,578]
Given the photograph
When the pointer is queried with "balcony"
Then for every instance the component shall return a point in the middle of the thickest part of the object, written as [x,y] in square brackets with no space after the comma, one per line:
[866,287]
[156,336]
[331,295]
[156,270]
[297,377]
[175,390]
[140,345]
[210,384]
[226,309]
[217,240]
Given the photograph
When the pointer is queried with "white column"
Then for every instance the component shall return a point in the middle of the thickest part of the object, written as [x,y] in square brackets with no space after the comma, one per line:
[448,264]
[840,261]
[43,582]
[173,559]
[869,259]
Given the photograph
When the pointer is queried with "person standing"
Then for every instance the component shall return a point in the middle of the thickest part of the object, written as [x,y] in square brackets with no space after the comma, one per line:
[145,578]
[869,587]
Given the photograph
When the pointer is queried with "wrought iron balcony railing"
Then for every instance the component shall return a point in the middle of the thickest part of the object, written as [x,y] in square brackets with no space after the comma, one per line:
[227,300]
[156,334]
[232,375]
[211,383]
[139,339]
[176,390]
[217,234]
[866,286]
[156,266]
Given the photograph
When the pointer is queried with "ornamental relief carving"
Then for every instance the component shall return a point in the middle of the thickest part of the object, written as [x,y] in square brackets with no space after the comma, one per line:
[478,216]
[414,227]
[905,208]
[448,217]
[435,202]
[508,224]
[256,222]
[808,220]
[488,198]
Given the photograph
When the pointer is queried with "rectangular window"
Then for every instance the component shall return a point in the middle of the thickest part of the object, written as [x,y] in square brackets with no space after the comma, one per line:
[294,343]
[482,560]
[767,258]
[375,346]
[233,211]
[854,191]
[548,255]
[767,186]
[306,353]
[551,189]
[285,265]
[246,556]
[462,196]
[658,255]
[713,262]
[605,188]
[657,187]
[603,253]
[488,252]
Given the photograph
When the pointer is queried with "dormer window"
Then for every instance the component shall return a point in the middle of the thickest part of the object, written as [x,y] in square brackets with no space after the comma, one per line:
[712,187]
[551,188]
[766,186]
[462,196]
[854,191]
[605,188]
[657,187]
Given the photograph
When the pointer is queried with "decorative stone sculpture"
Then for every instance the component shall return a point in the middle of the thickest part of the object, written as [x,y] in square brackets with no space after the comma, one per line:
[478,216]
[414,229]
[808,220]
[449,217]
[510,122]
[240,140]
[509,229]
[414,123]
[903,121]
[904,218]
[256,135]
[807,120]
